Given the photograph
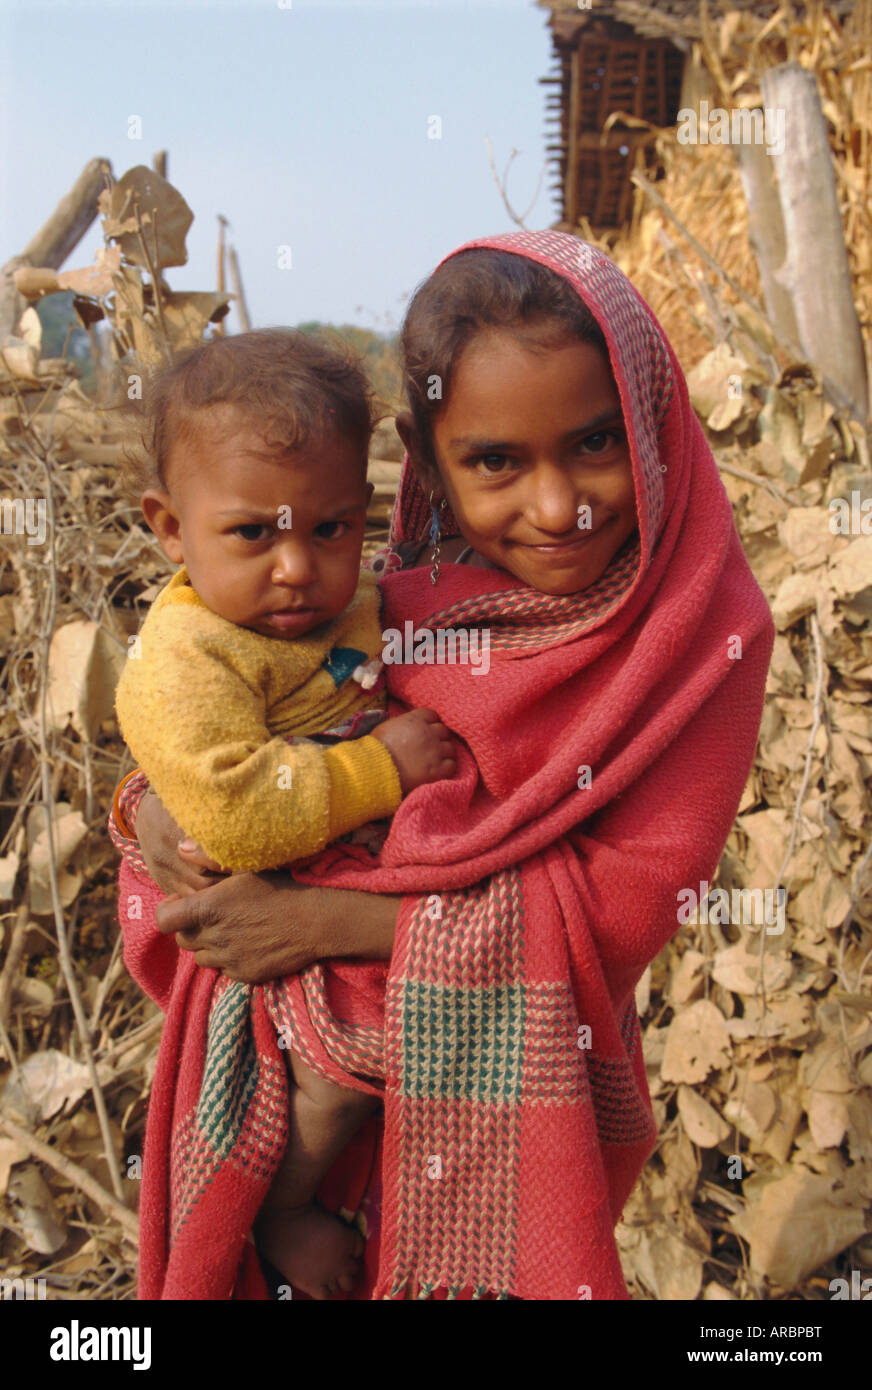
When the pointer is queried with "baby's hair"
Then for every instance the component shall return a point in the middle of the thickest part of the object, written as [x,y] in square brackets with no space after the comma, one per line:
[479,289]
[286,384]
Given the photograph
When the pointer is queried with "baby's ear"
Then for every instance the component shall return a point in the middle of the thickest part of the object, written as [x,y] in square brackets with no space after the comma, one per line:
[162,518]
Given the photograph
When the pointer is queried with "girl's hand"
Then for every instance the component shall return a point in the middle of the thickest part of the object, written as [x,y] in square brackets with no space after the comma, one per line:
[252,927]
[257,927]
[421,747]
[174,869]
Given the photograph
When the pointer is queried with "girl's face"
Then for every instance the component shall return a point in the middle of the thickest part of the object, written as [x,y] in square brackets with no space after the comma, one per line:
[534,459]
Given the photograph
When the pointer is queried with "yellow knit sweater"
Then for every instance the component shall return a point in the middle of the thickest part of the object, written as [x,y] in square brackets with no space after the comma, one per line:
[204,706]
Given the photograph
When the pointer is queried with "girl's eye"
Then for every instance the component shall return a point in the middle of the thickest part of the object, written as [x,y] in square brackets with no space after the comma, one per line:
[331,530]
[598,442]
[493,463]
[256,531]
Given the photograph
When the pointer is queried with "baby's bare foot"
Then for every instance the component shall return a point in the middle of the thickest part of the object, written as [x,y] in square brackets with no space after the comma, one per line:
[314,1250]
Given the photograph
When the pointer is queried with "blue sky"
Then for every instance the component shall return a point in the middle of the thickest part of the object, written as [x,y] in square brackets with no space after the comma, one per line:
[306,125]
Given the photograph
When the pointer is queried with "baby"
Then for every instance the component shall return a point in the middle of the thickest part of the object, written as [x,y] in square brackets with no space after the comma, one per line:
[267,636]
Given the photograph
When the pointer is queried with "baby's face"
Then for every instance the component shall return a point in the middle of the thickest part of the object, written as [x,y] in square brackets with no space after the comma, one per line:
[271,544]
[534,459]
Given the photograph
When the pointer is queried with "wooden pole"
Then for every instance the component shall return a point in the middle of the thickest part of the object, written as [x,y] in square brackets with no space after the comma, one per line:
[831,390]
[222,223]
[159,163]
[766,234]
[815,272]
[236,282]
[71,218]
[55,240]
[571,210]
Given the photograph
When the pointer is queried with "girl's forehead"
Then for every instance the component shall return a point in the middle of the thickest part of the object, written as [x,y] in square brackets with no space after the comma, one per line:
[544,341]
[504,367]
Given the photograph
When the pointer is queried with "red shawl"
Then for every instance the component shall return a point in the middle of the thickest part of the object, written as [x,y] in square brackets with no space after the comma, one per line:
[517,1116]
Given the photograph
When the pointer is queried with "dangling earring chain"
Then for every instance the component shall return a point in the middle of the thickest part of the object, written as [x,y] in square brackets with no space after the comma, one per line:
[436,536]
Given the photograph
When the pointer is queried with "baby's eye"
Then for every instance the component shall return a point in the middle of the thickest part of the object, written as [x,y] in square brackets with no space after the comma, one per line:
[256,531]
[331,530]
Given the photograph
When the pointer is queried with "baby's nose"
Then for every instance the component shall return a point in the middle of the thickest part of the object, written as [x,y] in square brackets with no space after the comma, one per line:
[293,563]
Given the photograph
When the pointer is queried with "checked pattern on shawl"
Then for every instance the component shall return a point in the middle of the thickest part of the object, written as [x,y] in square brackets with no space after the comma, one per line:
[622,1115]
[470,1043]
[519,619]
[355,1047]
[241,1117]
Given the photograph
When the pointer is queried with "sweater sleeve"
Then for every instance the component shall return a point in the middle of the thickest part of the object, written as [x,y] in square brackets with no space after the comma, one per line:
[195,721]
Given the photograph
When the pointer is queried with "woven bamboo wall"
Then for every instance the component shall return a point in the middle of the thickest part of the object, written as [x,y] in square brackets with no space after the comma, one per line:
[603,70]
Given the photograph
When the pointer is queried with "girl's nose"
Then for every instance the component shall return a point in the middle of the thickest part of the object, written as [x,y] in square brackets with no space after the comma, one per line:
[293,564]
[554,501]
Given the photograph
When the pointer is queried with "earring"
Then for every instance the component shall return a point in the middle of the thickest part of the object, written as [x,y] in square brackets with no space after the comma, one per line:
[435,536]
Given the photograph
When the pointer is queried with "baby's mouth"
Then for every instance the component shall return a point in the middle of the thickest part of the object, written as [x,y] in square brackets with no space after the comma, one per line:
[290,619]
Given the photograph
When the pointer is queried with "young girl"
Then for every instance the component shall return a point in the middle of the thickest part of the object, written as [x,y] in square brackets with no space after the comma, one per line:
[253,700]
[560,492]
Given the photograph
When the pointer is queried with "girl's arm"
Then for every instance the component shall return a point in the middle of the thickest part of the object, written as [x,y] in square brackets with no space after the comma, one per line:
[257,927]
[285,926]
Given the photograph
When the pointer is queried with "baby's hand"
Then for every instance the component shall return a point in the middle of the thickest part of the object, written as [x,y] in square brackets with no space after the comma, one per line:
[420,745]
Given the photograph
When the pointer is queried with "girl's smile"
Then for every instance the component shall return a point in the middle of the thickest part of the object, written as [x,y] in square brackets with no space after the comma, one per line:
[534,459]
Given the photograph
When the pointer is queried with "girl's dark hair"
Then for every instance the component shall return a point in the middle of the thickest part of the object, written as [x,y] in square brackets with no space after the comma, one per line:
[288,385]
[474,290]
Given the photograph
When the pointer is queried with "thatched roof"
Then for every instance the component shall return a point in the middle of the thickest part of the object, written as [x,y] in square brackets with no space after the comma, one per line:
[678,20]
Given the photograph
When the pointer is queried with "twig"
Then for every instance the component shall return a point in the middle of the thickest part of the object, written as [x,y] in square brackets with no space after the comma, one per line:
[848,920]
[64,955]
[760,991]
[766,483]
[112,973]
[134,1038]
[651,192]
[10,965]
[503,190]
[855,887]
[115,1210]
[838,400]
[820,670]
[11,1054]
[236,280]
[154,277]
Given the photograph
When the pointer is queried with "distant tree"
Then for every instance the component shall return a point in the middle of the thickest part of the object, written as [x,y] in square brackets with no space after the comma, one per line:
[379,354]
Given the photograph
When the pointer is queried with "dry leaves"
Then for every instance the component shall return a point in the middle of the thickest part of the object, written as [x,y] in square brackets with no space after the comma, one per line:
[765,1065]
[775,1097]
[85,592]
[758,1047]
